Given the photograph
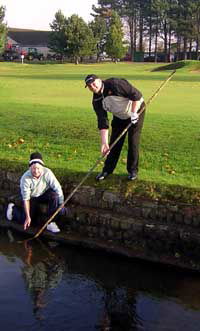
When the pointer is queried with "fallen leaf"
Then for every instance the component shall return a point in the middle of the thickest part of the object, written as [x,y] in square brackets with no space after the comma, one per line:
[20,141]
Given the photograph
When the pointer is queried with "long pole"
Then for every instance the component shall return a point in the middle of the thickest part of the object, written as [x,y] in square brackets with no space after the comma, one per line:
[99,160]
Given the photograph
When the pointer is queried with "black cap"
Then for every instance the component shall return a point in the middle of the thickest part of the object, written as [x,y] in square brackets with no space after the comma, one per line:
[36,158]
[89,79]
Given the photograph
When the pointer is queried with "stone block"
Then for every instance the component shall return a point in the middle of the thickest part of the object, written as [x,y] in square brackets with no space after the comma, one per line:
[115,224]
[146,212]
[102,233]
[137,228]
[110,198]
[126,235]
[187,219]
[173,208]
[13,177]
[125,225]
[153,214]
[178,218]
[161,214]
[110,234]
[170,217]
[134,212]
[81,218]
[196,221]
[186,236]
[149,204]
[94,230]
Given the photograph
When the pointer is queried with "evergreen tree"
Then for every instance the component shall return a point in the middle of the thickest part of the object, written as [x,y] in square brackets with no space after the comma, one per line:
[58,41]
[3,29]
[80,39]
[127,11]
[184,27]
[98,27]
[114,42]
[130,12]
[196,21]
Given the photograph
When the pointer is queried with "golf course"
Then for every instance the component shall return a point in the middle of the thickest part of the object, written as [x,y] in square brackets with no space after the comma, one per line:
[46,108]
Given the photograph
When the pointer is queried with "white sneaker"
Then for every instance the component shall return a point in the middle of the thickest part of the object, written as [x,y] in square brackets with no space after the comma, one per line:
[53,227]
[9,212]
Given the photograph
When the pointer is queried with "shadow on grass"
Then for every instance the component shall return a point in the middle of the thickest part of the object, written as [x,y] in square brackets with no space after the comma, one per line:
[187,64]
[46,76]
[134,77]
[171,66]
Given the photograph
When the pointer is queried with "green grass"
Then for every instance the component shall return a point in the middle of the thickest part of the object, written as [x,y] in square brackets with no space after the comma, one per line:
[49,108]
[189,65]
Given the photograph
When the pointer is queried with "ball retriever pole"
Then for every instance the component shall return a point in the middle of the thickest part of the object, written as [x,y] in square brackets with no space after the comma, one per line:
[99,160]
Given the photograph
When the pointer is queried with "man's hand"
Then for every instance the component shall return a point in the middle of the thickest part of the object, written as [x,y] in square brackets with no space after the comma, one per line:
[134,117]
[27,223]
[105,149]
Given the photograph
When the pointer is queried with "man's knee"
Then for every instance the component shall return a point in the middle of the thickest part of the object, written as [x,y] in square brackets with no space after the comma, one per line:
[49,195]
[53,196]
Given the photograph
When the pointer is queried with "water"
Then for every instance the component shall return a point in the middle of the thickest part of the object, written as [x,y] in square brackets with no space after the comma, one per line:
[48,287]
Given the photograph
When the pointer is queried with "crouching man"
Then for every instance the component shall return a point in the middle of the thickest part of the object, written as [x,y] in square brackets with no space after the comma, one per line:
[37,185]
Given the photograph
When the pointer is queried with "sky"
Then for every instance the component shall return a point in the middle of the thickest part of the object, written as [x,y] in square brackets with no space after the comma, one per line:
[37,14]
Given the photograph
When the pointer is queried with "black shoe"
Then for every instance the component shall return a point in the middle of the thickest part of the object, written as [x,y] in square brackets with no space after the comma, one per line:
[132,175]
[102,176]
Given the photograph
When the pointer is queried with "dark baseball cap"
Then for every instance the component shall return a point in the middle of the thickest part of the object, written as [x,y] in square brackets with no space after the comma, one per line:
[89,79]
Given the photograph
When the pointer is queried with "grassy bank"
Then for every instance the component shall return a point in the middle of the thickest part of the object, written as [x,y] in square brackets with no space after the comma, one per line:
[47,108]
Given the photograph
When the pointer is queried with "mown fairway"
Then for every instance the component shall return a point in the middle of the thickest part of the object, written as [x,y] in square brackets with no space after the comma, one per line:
[48,108]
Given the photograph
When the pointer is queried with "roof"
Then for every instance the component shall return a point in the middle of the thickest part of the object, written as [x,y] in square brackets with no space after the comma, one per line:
[29,37]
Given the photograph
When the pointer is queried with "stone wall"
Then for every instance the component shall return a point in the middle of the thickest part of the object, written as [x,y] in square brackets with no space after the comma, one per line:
[162,232]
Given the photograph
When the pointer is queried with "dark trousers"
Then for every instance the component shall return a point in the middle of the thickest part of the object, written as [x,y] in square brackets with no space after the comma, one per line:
[49,197]
[134,132]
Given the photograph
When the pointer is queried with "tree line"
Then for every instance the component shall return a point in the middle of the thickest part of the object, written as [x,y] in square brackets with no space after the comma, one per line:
[153,26]
[175,23]
[74,38]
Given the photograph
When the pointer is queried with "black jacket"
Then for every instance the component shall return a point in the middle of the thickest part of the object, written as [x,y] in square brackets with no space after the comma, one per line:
[113,86]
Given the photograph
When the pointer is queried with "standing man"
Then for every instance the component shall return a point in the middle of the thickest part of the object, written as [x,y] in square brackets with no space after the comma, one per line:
[124,101]
[37,185]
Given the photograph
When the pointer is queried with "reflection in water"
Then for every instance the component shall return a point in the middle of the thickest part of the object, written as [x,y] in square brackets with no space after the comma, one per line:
[120,311]
[41,275]
[74,290]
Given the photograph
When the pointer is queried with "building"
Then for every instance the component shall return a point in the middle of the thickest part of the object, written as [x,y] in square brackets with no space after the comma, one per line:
[23,39]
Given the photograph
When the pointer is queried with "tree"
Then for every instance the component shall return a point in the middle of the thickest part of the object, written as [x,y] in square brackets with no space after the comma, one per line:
[80,39]
[98,27]
[185,27]
[58,41]
[114,42]
[127,11]
[197,27]
[3,29]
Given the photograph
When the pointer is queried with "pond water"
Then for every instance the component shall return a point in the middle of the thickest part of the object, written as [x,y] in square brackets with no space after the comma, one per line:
[46,286]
